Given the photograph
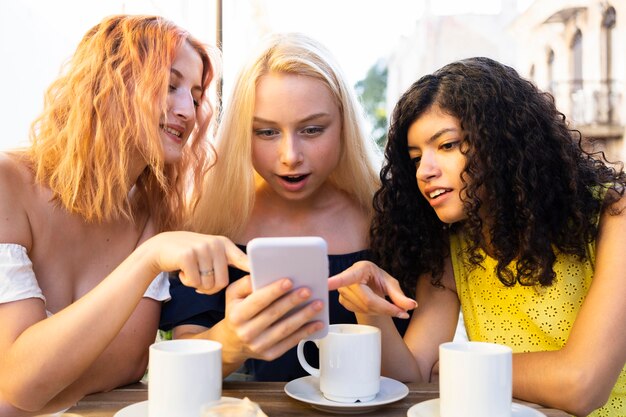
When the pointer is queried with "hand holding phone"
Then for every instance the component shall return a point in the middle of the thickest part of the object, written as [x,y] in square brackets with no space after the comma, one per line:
[304,260]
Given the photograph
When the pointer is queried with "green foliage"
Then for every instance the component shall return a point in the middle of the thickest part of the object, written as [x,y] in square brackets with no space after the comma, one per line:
[371,91]
[164,335]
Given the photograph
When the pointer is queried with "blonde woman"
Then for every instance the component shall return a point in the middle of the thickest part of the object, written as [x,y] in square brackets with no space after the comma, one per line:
[292,160]
[85,208]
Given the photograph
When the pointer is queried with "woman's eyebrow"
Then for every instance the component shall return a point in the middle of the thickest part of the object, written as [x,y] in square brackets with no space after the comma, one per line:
[435,137]
[179,74]
[441,132]
[304,120]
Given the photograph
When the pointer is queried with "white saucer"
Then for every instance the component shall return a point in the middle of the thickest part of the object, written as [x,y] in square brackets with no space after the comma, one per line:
[139,409]
[430,408]
[306,389]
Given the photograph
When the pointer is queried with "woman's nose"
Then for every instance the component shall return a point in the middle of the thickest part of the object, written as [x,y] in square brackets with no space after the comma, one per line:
[182,105]
[427,168]
[290,153]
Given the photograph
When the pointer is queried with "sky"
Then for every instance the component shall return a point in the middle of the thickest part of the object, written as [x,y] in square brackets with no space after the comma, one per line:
[37,36]
[358,32]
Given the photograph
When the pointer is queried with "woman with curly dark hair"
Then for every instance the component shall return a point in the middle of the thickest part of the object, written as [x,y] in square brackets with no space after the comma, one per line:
[489,204]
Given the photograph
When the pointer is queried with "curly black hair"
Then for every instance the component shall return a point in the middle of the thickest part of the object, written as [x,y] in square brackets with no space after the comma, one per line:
[524,167]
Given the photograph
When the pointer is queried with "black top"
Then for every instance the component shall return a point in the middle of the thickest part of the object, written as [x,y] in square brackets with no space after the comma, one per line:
[189,307]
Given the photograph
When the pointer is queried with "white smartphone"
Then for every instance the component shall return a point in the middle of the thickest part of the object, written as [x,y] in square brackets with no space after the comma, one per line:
[304,260]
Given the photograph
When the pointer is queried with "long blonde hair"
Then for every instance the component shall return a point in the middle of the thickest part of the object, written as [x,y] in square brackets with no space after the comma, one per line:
[104,110]
[229,191]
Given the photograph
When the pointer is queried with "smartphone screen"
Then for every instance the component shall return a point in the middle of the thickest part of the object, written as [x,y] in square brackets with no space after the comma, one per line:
[302,259]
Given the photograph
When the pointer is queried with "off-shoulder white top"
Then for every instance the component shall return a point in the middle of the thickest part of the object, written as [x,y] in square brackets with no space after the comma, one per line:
[18,281]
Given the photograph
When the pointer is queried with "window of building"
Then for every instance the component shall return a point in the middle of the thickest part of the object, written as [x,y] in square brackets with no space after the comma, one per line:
[608,33]
[550,72]
[577,61]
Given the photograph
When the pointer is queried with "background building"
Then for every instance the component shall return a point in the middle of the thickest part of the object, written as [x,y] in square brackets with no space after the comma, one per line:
[438,39]
[576,49]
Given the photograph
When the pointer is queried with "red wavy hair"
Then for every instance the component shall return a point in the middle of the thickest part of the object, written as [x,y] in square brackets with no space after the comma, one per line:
[103,113]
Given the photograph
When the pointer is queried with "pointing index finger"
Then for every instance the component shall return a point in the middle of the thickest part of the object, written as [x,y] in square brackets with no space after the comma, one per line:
[236,257]
[346,278]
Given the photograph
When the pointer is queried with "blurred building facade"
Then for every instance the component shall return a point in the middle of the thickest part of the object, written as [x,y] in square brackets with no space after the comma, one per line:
[576,50]
[438,40]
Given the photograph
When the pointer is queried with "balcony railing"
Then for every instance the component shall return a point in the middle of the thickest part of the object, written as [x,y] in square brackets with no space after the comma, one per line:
[591,103]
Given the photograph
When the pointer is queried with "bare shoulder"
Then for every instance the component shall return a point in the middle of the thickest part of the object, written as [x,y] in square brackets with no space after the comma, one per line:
[611,243]
[347,225]
[618,206]
[16,188]
[614,214]
[448,284]
[148,231]
[351,211]
[12,168]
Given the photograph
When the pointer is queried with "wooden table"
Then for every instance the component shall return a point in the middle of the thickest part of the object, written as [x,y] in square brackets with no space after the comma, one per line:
[269,395]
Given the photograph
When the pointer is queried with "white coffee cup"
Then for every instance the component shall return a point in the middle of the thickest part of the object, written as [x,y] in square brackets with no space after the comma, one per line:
[183,375]
[475,379]
[349,362]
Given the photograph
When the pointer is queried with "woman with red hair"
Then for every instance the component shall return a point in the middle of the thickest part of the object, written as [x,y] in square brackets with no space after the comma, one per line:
[85,211]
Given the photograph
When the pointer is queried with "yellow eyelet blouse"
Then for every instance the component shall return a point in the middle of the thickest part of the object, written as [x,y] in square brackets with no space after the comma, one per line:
[527,318]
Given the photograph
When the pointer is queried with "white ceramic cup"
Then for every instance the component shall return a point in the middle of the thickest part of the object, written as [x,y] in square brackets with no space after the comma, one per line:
[183,375]
[349,362]
[475,379]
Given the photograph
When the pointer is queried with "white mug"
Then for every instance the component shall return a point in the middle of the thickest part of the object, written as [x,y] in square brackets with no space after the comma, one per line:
[183,375]
[349,362]
[475,379]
